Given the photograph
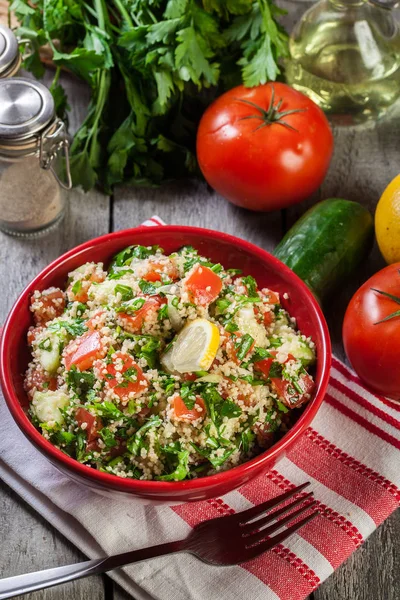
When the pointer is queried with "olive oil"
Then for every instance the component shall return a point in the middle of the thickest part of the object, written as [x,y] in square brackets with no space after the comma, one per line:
[346,57]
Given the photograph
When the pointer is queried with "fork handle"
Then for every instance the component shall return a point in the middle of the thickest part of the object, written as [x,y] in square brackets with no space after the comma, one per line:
[39,580]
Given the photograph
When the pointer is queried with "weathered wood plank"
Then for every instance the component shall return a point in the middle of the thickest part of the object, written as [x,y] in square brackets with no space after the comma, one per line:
[193,203]
[31,543]
[371,573]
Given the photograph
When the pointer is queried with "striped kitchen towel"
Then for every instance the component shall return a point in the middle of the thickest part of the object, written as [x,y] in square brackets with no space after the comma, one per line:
[350,454]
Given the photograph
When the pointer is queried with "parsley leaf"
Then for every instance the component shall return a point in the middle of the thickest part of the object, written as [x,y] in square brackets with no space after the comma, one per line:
[126,256]
[75,327]
[230,409]
[243,346]
[134,442]
[125,291]
[162,56]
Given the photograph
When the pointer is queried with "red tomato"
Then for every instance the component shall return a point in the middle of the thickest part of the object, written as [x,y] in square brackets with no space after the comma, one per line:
[259,161]
[264,366]
[203,286]
[94,425]
[232,351]
[189,376]
[372,347]
[268,318]
[182,413]
[95,322]
[33,332]
[81,295]
[158,269]
[134,382]
[37,379]
[135,321]
[83,351]
[289,395]
[271,297]
[265,437]
[47,305]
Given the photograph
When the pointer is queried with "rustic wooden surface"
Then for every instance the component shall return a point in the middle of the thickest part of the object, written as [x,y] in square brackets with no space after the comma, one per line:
[365,161]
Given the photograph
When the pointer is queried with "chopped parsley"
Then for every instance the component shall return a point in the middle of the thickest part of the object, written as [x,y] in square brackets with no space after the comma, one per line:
[76,288]
[243,346]
[125,291]
[230,409]
[75,327]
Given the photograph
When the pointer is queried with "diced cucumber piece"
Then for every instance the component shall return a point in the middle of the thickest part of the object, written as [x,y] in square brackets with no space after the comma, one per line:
[49,353]
[46,406]
[173,314]
[301,350]
[101,292]
[281,320]
[247,323]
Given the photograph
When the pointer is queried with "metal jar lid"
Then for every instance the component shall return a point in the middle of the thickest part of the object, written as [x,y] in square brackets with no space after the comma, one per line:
[26,108]
[10,58]
[29,126]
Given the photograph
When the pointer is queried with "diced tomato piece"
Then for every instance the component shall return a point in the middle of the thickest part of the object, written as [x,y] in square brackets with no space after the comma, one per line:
[189,376]
[94,425]
[264,365]
[156,270]
[135,321]
[38,380]
[133,383]
[95,322]
[203,286]
[119,449]
[271,297]
[231,387]
[268,318]
[33,332]
[182,413]
[265,437]
[84,350]
[47,305]
[231,350]
[81,294]
[289,395]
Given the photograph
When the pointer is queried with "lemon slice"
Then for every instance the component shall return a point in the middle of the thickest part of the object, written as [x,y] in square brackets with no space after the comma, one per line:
[194,348]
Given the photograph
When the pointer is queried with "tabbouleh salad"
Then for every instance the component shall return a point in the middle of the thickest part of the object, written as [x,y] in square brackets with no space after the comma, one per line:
[164,367]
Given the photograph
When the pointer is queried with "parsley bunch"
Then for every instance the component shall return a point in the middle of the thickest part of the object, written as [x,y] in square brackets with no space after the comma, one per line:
[153,66]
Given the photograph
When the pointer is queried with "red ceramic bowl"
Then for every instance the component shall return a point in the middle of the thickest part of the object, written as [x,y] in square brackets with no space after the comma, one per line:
[232,252]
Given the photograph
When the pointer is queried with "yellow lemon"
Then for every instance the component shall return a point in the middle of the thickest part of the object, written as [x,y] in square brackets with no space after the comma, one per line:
[387,222]
[194,348]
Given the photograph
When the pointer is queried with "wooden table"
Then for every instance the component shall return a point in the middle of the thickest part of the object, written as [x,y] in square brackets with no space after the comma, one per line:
[365,161]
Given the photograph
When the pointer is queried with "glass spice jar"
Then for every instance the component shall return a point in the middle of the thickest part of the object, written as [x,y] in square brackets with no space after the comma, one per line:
[10,56]
[34,159]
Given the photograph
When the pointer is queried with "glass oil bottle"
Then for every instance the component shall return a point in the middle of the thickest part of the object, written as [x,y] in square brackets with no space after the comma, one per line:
[345,55]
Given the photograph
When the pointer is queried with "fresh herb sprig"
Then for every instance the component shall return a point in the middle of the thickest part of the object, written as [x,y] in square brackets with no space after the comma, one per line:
[152,67]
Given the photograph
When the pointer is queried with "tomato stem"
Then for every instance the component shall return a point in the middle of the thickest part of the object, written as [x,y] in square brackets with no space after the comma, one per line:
[392,297]
[272,114]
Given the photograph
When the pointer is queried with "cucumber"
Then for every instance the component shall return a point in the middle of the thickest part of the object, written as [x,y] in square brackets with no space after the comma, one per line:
[325,246]
[300,349]
[50,354]
[46,406]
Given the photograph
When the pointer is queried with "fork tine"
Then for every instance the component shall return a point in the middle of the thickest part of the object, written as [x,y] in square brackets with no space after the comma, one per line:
[256,511]
[261,535]
[255,551]
[271,516]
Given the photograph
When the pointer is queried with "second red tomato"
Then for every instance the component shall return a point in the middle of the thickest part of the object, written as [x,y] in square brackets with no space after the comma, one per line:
[264,148]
